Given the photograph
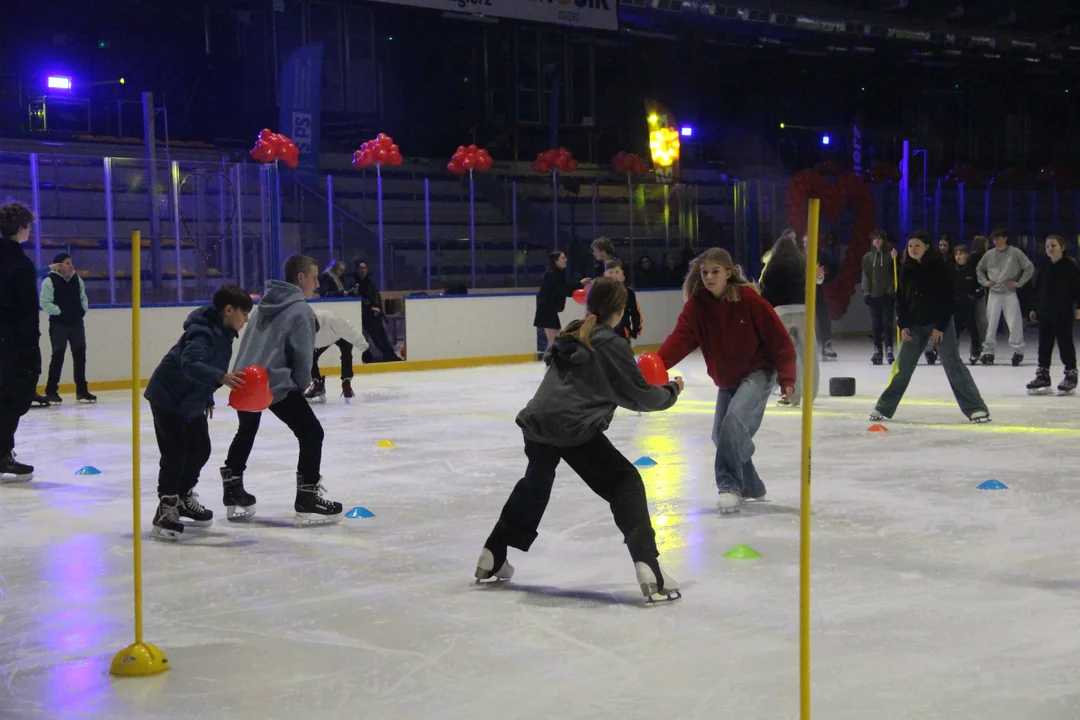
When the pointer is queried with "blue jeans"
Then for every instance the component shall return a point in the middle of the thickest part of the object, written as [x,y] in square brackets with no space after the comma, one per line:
[738,416]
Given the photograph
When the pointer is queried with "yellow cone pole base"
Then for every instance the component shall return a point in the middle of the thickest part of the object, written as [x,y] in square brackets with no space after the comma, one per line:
[139,660]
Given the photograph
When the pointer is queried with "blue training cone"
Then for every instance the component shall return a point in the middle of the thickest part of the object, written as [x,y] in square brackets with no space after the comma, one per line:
[88,470]
[359,512]
[645,461]
[993,485]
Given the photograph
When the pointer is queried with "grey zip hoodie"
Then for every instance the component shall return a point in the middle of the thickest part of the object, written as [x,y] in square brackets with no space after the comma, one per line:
[581,389]
[280,337]
[999,266]
[877,269]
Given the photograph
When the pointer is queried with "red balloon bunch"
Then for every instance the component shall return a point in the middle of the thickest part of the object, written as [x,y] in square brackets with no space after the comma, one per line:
[629,164]
[380,151]
[469,158]
[555,159]
[271,146]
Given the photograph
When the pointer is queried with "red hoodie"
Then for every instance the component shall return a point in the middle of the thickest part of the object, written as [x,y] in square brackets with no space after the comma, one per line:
[736,338]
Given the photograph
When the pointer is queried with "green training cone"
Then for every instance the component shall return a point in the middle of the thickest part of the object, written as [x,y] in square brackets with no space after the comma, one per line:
[742,552]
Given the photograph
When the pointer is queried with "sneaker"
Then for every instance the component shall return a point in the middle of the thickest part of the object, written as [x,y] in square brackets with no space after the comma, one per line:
[1017,358]
[312,508]
[980,416]
[346,389]
[12,470]
[54,398]
[193,510]
[239,503]
[316,391]
[728,502]
[656,585]
[85,396]
[167,525]
[486,570]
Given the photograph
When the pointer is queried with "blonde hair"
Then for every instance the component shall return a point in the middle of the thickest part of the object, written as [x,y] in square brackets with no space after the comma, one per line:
[605,298]
[715,256]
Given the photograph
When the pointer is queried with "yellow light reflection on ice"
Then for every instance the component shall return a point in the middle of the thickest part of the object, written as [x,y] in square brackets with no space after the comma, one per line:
[665,484]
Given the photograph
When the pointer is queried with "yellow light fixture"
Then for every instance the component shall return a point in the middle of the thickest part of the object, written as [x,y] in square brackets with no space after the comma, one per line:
[664,146]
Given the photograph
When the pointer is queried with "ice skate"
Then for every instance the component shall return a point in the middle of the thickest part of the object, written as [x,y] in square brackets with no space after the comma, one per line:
[889,357]
[987,359]
[167,525]
[40,401]
[728,502]
[877,357]
[239,504]
[83,395]
[876,416]
[974,359]
[486,572]
[346,389]
[53,398]
[190,508]
[827,353]
[1017,358]
[314,509]
[656,585]
[979,417]
[13,471]
[316,391]
[931,356]
[1068,383]
[1041,382]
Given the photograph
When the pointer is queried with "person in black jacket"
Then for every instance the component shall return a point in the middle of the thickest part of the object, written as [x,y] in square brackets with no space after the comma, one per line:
[924,308]
[551,298]
[371,312]
[1059,293]
[783,285]
[630,324]
[181,395]
[591,371]
[332,283]
[63,298]
[968,292]
[20,354]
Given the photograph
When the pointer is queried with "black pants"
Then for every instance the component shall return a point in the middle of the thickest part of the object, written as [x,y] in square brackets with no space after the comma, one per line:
[375,328]
[604,469]
[9,423]
[964,317]
[1057,327]
[15,401]
[824,322]
[346,360]
[295,412]
[184,445]
[882,312]
[61,336]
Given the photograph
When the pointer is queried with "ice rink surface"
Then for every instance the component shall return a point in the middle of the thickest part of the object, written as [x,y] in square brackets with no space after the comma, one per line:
[931,599]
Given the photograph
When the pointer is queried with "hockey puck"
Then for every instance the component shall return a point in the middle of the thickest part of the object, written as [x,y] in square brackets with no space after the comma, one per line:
[842,387]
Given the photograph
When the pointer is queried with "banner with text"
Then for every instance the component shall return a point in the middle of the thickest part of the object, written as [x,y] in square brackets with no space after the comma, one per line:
[300,102]
[599,14]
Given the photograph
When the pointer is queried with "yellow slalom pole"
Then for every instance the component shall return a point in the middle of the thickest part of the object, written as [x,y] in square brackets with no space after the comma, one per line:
[138,659]
[809,356]
[896,298]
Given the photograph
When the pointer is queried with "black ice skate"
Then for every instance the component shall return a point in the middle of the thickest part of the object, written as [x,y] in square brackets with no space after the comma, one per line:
[877,357]
[316,392]
[889,357]
[656,585]
[1068,383]
[40,401]
[487,573]
[1017,358]
[346,389]
[12,470]
[239,504]
[54,398]
[312,508]
[931,356]
[193,510]
[974,359]
[83,395]
[1041,382]
[167,525]
[987,359]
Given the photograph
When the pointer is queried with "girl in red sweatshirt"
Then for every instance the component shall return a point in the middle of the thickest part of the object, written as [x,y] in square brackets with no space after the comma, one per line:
[746,349]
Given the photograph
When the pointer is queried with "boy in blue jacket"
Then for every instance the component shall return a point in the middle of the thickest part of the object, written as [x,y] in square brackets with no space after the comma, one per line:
[181,395]
[281,339]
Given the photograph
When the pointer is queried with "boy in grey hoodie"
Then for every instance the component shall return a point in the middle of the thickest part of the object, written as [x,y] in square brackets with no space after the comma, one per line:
[591,371]
[1002,270]
[280,338]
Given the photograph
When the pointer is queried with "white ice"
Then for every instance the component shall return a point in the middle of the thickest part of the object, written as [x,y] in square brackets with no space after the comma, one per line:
[931,599]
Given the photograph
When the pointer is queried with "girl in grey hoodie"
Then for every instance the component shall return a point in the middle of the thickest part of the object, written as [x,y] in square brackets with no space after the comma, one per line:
[591,371]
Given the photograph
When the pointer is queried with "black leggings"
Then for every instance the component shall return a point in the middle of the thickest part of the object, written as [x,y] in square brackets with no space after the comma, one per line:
[1057,328]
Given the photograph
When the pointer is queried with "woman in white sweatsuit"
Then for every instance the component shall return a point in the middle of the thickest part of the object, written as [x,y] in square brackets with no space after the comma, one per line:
[334,330]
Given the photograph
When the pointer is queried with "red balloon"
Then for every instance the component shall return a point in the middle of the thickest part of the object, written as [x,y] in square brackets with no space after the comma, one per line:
[473,148]
[262,152]
[456,167]
[652,367]
[541,166]
[254,395]
[279,142]
[384,140]
[265,134]
[395,158]
[469,162]
[579,296]
[380,155]
[483,161]
[571,166]
[291,156]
